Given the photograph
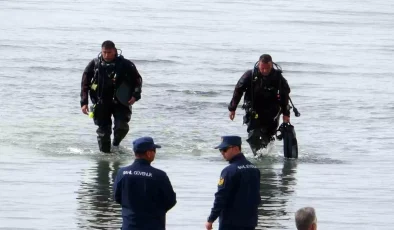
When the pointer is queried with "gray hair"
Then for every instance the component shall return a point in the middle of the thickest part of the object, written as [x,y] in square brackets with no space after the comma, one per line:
[305,217]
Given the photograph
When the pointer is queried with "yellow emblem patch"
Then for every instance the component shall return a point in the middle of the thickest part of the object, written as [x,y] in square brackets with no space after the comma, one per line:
[94,87]
[221,181]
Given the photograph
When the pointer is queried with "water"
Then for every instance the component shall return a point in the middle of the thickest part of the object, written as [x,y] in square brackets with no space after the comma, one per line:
[336,56]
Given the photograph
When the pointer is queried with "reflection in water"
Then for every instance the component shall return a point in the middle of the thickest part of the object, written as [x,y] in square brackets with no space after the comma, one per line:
[276,188]
[97,210]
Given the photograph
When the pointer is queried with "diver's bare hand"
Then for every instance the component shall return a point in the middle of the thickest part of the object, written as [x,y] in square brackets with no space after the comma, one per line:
[85,109]
[132,100]
[232,115]
[208,226]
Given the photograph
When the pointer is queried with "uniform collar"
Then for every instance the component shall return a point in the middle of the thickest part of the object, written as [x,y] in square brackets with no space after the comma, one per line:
[142,161]
[238,157]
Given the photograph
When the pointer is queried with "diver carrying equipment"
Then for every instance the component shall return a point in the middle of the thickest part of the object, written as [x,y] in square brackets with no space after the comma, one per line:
[288,135]
[256,138]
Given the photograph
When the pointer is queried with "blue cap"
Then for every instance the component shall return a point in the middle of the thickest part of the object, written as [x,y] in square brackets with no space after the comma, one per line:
[229,141]
[144,144]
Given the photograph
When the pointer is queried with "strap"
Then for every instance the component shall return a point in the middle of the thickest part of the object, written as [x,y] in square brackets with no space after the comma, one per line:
[252,88]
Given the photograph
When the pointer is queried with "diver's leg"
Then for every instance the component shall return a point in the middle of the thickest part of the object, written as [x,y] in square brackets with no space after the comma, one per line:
[272,127]
[254,135]
[122,116]
[267,126]
[264,136]
[270,123]
[102,118]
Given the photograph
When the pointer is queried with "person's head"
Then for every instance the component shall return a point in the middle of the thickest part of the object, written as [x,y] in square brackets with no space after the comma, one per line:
[305,219]
[265,64]
[145,148]
[230,147]
[108,51]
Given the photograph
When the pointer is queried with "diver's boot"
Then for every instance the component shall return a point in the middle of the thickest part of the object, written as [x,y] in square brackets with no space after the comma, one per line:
[120,131]
[115,142]
[115,145]
[104,143]
[255,148]
[254,140]
[104,138]
[115,148]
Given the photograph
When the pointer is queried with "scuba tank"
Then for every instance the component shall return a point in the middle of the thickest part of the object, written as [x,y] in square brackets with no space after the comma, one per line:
[290,145]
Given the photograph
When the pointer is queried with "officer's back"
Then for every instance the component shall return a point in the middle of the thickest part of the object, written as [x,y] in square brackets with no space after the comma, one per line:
[144,192]
[244,197]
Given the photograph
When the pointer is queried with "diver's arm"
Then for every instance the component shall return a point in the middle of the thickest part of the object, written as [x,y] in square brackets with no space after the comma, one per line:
[284,96]
[136,82]
[239,90]
[85,83]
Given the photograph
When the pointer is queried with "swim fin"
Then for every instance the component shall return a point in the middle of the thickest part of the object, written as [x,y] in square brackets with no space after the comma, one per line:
[290,145]
[123,94]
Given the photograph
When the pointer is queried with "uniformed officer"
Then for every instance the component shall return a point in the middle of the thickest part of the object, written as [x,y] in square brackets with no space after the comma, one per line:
[144,192]
[238,195]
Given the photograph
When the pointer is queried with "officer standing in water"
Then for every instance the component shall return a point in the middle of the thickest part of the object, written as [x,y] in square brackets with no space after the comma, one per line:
[238,194]
[144,192]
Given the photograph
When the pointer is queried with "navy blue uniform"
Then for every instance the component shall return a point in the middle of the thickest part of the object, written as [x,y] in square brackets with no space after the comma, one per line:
[238,195]
[146,194]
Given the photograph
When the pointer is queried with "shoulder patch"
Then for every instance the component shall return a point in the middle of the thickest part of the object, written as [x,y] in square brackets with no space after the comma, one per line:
[221,181]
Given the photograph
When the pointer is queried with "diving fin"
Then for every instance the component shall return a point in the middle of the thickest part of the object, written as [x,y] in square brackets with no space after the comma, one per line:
[290,145]
[123,94]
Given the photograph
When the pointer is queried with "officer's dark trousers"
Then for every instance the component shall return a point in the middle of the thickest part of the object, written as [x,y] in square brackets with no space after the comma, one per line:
[227,227]
[102,118]
[263,127]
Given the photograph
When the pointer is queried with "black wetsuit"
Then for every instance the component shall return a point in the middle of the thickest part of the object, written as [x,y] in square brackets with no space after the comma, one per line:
[270,97]
[101,80]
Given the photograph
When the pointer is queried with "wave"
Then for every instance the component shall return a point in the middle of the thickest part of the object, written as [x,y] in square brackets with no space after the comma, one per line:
[195,92]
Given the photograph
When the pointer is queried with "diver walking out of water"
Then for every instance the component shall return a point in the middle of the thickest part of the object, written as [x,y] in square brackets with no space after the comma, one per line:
[266,97]
[114,84]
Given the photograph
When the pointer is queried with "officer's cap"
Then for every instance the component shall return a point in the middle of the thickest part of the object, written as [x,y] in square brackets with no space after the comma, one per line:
[144,144]
[229,141]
